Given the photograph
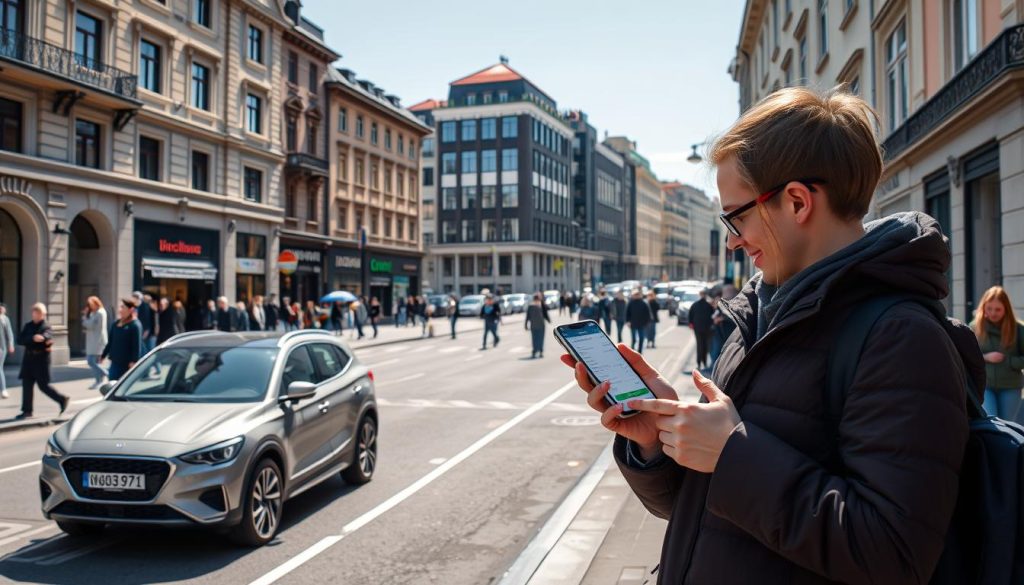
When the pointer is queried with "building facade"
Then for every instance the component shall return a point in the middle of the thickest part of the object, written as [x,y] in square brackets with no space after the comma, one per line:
[504,199]
[647,209]
[675,232]
[375,207]
[428,192]
[141,151]
[944,77]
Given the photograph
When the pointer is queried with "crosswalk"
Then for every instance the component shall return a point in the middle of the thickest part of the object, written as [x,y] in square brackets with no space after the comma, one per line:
[476,405]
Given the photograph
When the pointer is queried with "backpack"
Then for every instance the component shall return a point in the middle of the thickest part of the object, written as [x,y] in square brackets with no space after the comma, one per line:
[985,541]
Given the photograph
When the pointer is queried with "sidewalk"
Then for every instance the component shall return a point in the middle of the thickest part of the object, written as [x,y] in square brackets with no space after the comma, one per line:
[75,378]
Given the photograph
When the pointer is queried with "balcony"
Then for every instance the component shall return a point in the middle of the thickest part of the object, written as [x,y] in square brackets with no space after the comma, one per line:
[306,164]
[67,72]
[1004,54]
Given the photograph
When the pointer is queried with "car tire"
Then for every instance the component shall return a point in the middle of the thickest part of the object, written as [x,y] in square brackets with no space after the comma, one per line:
[364,456]
[72,528]
[263,503]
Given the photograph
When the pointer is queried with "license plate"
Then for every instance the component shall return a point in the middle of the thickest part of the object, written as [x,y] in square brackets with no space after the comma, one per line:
[114,481]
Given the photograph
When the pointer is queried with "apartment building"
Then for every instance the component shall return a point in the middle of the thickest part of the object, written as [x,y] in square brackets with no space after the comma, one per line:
[428,191]
[141,150]
[647,203]
[944,77]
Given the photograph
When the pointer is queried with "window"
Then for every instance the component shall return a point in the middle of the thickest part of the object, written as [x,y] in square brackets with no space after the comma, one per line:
[87,144]
[10,125]
[374,175]
[502,96]
[401,144]
[468,162]
[471,99]
[488,161]
[428,177]
[343,166]
[255,44]
[400,183]
[360,172]
[488,97]
[149,158]
[448,132]
[802,49]
[373,133]
[360,129]
[510,229]
[428,147]
[291,134]
[509,127]
[342,119]
[311,132]
[470,231]
[509,159]
[253,111]
[88,40]
[896,93]
[450,232]
[965,32]
[412,149]
[387,138]
[387,179]
[359,219]
[487,199]
[468,130]
[253,184]
[822,28]
[298,368]
[490,230]
[311,204]
[289,201]
[342,217]
[200,86]
[329,360]
[855,85]
[488,128]
[314,78]
[448,166]
[202,12]
[428,210]
[449,199]
[469,195]
[149,66]
[510,195]
[200,171]
[293,67]
[399,229]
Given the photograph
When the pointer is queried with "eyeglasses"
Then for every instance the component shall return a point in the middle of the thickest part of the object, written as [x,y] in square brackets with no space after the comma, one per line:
[763,197]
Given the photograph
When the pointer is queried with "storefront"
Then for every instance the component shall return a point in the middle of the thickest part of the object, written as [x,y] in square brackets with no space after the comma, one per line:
[179,263]
[345,270]
[392,277]
[301,272]
[250,267]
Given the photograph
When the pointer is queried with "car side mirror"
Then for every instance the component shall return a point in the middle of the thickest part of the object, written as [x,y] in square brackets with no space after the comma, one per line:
[299,390]
[106,387]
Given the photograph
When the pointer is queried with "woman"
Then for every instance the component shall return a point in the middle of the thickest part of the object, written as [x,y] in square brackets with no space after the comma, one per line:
[588,310]
[311,316]
[179,316]
[536,315]
[295,316]
[374,314]
[124,344]
[400,321]
[759,485]
[652,327]
[94,323]
[1001,338]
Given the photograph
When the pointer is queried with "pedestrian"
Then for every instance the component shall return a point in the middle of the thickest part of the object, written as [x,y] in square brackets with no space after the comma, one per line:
[310,319]
[604,304]
[400,320]
[124,342]
[722,327]
[94,323]
[336,318]
[491,314]
[242,314]
[573,301]
[536,316]
[227,316]
[1001,338]
[147,318]
[289,314]
[179,316]
[273,312]
[258,319]
[359,315]
[588,310]
[638,313]
[700,322]
[410,308]
[760,483]
[6,347]
[166,321]
[453,312]
[652,328]
[295,312]
[374,315]
[619,313]
[563,302]
[37,337]
[209,317]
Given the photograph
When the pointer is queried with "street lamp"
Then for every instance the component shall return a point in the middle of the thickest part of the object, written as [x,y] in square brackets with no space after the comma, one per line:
[694,157]
[581,241]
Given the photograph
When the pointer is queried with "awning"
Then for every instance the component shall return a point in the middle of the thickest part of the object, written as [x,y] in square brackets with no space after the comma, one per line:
[176,268]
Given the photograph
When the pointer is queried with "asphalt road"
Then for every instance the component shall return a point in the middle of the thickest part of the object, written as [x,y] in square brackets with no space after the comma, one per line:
[477,448]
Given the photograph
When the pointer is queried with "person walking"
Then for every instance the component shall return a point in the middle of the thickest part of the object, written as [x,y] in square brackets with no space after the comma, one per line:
[165,321]
[1001,338]
[652,328]
[289,315]
[147,318]
[701,322]
[588,310]
[619,313]
[359,315]
[242,314]
[94,323]
[563,302]
[604,304]
[491,314]
[227,316]
[536,316]
[400,313]
[335,319]
[179,316]
[272,312]
[209,317]
[638,313]
[6,347]
[722,327]
[37,337]
[453,312]
[374,315]
[428,314]
[761,480]
[124,343]
[258,319]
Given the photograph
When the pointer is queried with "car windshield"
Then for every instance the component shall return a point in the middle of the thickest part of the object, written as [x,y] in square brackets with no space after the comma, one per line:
[661,289]
[206,374]
[686,296]
[471,300]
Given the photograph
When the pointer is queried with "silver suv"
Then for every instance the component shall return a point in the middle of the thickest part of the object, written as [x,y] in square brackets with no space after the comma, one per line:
[215,429]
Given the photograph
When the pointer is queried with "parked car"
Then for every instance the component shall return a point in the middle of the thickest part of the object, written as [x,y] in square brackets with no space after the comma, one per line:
[551,298]
[663,294]
[441,304]
[684,297]
[517,302]
[471,305]
[215,429]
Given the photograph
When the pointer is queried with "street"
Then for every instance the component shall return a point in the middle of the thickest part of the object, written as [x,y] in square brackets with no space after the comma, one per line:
[477,448]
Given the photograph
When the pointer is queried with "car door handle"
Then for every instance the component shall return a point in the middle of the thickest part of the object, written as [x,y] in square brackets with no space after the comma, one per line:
[323,406]
[357,389]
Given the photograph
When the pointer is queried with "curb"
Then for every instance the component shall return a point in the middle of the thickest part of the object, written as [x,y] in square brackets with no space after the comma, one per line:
[31,423]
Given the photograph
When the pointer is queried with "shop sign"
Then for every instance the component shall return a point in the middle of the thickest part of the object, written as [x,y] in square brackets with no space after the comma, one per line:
[307,256]
[287,262]
[409,267]
[379,265]
[251,266]
[346,262]
[179,247]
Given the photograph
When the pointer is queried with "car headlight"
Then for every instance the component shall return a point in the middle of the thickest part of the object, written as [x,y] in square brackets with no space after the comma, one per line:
[215,454]
[53,449]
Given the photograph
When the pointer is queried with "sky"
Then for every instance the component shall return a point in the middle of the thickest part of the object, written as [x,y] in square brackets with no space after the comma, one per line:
[653,70]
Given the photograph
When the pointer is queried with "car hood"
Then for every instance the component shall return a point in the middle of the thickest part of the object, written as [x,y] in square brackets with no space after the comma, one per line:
[174,423]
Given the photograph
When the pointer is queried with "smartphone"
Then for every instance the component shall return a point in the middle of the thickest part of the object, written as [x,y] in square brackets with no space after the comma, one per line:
[587,343]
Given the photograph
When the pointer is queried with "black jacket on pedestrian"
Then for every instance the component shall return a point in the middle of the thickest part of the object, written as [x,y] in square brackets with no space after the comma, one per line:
[270,316]
[638,313]
[168,321]
[700,315]
[536,315]
[209,318]
[655,307]
[492,317]
[124,343]
[619,310]
[228,320]
[37,353]
[146,318]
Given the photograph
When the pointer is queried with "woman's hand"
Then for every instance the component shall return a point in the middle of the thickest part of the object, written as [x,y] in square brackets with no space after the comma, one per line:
[639,428]
[693,434]
[994,357]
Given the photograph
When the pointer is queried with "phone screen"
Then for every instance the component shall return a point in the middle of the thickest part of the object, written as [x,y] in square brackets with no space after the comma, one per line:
[605,362]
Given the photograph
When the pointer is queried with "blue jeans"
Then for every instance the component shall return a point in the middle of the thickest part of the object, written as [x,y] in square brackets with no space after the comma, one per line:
[117,370]
[537,336]
[651,333]
[94,364]
[1003,402]
[491,328]
[639,333]
[148,344]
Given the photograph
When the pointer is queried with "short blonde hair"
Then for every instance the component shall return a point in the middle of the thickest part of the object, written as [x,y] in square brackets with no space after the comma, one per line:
[39,307]
[798,133]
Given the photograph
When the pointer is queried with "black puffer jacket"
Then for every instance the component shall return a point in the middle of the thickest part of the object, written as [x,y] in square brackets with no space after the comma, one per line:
[780,507]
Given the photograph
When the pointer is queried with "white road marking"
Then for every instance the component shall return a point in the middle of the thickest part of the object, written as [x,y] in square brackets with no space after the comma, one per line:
[667,331]
[451,349]
[461,404]
[475,357]
[383,363]
[24,535]
[382,508]
[421,349]
[395,349]
[465,404]
[399,380]
[501,405]
[438,460]
[519,349]
[21,466]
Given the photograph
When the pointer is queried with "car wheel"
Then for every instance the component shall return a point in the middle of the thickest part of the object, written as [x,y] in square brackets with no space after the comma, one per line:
[79,528]
[364,460]
[264,503]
